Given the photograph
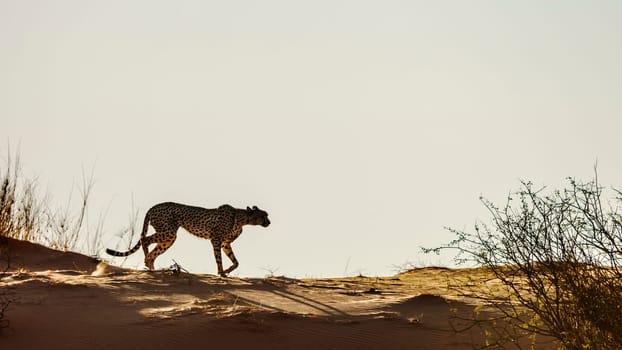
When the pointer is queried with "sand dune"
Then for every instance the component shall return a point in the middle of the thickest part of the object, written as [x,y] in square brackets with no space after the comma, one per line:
[65,300]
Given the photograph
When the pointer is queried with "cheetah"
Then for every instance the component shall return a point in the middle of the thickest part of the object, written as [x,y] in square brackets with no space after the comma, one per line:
[222,226]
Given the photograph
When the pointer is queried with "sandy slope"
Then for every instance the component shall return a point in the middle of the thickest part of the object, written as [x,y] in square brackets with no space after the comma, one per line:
[68,301]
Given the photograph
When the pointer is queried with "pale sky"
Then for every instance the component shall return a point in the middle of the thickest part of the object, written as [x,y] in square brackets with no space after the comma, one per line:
[362,127]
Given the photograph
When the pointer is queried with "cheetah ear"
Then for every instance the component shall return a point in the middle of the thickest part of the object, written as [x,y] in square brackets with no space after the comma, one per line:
[248,209]
[255,207]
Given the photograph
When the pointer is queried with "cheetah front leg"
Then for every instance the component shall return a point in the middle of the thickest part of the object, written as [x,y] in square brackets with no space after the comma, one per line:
[226,247]
[217,255]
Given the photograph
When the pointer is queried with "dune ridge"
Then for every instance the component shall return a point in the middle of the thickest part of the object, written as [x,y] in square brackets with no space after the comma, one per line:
[71,301]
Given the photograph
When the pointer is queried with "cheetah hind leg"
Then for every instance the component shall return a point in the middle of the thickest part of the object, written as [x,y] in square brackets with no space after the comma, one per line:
[145,243]
[164,241]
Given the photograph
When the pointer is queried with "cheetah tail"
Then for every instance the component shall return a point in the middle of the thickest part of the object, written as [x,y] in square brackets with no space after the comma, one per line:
[116,253]
[143,234]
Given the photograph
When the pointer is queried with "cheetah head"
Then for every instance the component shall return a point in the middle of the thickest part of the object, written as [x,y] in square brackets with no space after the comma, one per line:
[257,216]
